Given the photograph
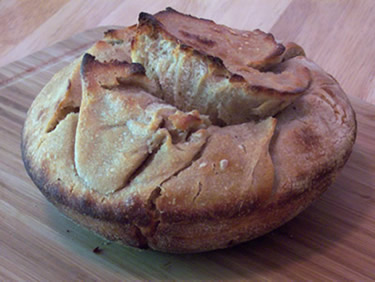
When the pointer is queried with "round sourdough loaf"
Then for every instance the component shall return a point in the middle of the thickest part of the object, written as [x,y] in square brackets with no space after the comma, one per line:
[147,153]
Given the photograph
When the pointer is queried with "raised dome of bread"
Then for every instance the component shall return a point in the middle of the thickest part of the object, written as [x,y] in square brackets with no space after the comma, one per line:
[103,147]
[223,72]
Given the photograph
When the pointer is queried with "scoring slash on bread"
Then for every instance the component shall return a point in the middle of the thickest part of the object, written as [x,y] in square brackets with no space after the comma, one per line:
[182,135]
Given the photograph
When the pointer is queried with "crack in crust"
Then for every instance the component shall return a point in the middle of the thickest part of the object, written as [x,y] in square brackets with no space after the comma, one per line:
[140,169]
[63,112]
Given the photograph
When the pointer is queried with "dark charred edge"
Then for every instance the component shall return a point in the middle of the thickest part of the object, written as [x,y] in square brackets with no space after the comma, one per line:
[260,89]
[236,78]
[270,59]
[280,49]
[354,129]
[184,47]
[170,10]
[137,68]
[215,60]
[202,40]
[187,136]
[134,70]
[148,20]
[292,50]
[112,34]
[89,63]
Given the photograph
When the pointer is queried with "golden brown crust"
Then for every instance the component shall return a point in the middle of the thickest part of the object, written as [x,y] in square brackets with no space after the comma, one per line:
[292,50]
[115,45]
[254,49]
[194,186]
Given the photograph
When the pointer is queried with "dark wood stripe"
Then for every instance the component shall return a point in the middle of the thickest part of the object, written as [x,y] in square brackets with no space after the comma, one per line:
[7,102]
[51,61]
[11,116]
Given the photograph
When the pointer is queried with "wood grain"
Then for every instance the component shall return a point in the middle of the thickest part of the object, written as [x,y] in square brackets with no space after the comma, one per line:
[334,239]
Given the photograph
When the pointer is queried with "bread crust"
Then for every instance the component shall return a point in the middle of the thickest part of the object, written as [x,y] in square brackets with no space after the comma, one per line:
[186,71]
[201,187]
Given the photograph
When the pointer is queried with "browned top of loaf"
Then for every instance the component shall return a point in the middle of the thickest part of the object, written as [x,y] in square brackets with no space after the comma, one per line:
[235,47]
[264,72]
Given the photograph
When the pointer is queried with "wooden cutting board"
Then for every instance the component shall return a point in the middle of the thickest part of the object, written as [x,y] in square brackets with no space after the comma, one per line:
[333,239]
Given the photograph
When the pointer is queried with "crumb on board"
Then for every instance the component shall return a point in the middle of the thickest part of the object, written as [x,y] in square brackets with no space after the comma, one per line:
[97,250]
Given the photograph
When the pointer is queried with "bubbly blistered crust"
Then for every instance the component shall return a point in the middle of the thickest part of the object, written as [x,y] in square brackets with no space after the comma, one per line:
[182,184]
